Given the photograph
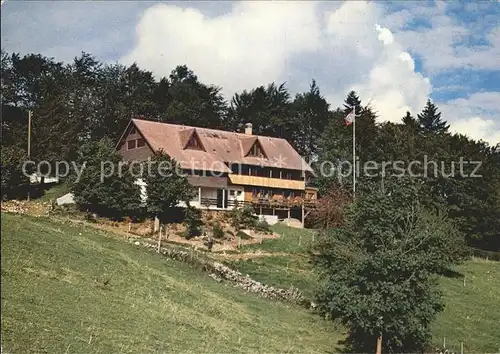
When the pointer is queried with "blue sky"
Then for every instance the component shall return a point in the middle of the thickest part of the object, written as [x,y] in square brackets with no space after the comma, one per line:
[394,54]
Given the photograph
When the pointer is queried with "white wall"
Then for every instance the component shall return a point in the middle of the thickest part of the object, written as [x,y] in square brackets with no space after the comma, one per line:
[210,193]
[238,193]
[271,219]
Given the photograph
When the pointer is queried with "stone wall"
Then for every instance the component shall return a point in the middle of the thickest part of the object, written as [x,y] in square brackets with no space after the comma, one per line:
[220,272]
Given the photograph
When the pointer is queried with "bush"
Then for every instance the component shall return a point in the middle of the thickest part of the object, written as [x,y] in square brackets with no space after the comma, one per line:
[192,221]
[217,231]
[243,218]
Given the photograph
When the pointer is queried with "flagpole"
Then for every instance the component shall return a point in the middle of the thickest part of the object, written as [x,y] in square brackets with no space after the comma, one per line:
[354,152]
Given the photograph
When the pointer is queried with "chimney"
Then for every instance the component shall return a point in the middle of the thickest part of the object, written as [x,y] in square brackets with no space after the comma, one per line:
[248,128]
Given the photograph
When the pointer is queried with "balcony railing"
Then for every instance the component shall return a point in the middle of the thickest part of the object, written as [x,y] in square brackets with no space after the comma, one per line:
[264,202]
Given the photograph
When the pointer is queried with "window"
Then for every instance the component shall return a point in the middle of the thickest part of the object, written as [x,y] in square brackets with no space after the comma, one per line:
[254,192]
[256,151]
[231,193]
[288,175]
[131,144]
[239,193]
[193,143]
[133,130]
[141,142]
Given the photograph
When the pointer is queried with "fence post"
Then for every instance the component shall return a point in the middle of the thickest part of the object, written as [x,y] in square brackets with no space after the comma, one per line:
[159,239]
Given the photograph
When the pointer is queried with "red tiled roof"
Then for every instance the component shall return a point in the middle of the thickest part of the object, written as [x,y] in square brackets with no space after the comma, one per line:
[220,147]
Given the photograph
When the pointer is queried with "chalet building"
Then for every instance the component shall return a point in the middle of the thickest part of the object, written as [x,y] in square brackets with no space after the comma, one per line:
[227,168]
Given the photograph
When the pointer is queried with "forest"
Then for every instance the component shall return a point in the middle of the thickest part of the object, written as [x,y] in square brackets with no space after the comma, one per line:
[86,100]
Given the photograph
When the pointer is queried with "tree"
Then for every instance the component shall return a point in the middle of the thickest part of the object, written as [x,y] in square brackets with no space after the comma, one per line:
[330,208]
[430,120]
[165,186]
[104,187]
[243,218]
[311,111]
[15,182]
[192,102]
[192,221]
[380,269]
[336,142]
[410,122]
[269,109]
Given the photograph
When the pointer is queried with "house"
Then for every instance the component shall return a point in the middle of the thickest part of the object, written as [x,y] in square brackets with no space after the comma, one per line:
[227,168]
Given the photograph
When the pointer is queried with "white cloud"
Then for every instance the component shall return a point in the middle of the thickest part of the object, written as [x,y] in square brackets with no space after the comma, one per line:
[477,116]
[243,49]
[384,72]
[360,48]
[445,45]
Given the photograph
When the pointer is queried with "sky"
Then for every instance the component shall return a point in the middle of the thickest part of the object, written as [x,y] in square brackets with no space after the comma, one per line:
[395,55]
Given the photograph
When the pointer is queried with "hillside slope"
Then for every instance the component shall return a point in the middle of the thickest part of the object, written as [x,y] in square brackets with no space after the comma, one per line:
[70,289]
[472,308]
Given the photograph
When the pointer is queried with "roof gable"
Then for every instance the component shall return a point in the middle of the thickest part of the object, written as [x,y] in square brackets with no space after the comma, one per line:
[189,139]
[256,150]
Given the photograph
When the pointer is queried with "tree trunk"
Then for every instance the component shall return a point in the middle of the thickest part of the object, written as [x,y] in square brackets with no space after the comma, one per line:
[379,345]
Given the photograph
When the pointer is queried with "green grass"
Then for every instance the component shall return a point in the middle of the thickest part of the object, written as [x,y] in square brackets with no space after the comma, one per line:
[68,288]
[472,312]
[471,315]
[292,240]
[280,271]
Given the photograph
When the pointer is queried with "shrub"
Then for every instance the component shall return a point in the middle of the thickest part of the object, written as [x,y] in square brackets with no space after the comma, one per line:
[192,221]
[243,218]
[217,231]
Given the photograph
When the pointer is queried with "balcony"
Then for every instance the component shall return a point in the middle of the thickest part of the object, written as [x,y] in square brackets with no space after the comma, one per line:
[266,182]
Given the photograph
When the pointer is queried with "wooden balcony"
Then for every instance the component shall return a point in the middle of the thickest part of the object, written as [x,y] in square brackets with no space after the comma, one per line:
[267,182]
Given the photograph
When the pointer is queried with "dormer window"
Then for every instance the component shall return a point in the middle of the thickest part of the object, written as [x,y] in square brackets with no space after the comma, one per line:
[256,151]
[193,142]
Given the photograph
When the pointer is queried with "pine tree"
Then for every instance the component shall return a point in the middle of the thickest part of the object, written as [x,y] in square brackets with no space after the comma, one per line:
[410,122]
[351,100]
[430,119]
